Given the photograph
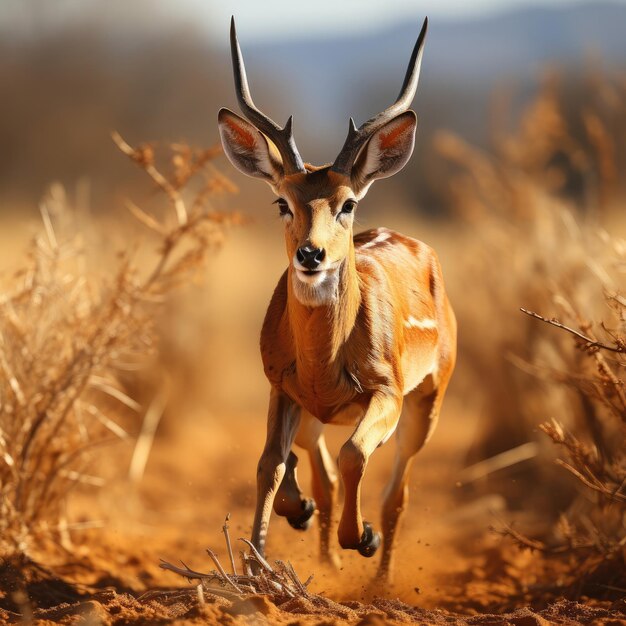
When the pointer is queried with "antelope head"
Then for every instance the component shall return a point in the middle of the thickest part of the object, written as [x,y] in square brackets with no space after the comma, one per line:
[317,204]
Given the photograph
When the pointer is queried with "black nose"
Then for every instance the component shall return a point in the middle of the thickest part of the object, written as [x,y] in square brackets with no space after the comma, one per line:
[310,257]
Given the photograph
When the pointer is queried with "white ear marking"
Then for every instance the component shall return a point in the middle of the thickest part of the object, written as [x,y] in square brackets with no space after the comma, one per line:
[386,152]
[247,148]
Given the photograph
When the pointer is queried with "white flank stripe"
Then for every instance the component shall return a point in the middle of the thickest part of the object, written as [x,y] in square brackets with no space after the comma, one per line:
[422,324]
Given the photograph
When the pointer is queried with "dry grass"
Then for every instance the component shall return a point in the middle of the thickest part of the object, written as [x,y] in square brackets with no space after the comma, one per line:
[591,533]
[257,576]
[67,331]
[538,245]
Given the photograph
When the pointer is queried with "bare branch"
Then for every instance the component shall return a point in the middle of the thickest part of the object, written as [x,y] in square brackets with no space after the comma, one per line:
[596,485]
[145,218]
[590,343]
[535,544]
[144,157]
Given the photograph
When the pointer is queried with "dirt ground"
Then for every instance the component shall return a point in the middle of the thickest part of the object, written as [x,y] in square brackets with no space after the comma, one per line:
[450,569]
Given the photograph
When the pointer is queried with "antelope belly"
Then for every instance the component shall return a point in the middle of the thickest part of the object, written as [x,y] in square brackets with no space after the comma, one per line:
[348,415]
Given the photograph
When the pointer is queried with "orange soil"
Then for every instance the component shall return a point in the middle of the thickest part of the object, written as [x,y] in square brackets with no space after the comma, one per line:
[450,568]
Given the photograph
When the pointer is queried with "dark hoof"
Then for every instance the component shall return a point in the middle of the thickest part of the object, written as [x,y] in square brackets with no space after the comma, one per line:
[370,541]
[304,521]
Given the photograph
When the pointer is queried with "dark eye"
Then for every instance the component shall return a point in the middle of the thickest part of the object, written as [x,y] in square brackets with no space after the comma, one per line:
[348,206]
[283,207]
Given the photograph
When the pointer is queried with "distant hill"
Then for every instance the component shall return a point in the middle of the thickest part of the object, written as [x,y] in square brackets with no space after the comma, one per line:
[327,79]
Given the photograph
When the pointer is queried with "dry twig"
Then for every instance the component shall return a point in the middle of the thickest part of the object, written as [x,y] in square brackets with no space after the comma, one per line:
[619,346]
[280,583]
[228,546]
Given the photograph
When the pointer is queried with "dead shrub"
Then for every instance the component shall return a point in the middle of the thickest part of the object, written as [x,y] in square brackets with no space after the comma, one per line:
[68,329]
[536,244]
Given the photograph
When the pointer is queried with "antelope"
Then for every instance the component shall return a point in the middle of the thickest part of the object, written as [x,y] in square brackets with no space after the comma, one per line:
[359,330]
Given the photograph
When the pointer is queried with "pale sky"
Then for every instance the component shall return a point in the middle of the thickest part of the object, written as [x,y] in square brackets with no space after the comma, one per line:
[265,19]
[258,19]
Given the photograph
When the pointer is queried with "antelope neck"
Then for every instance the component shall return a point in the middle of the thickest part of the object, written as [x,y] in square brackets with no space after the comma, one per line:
[320,332]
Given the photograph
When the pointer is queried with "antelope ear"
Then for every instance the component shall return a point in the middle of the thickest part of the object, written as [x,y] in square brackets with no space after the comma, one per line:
[248,149]
[386,152]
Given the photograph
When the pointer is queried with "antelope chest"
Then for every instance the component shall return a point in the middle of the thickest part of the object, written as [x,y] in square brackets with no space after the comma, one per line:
[332,400]
[328,392]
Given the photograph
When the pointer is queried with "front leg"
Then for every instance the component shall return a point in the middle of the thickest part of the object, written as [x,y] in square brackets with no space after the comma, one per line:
[376,426]
[282,423]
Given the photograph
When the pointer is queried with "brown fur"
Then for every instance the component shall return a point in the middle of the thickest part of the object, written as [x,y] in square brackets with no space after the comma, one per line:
[323,358]
[352,342]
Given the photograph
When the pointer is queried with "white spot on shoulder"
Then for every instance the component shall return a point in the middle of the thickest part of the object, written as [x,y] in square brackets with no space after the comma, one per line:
[424,324]
[383,236]
[378,239]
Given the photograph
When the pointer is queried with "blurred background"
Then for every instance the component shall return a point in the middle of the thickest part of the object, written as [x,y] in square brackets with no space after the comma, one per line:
[74,70]
[515,181]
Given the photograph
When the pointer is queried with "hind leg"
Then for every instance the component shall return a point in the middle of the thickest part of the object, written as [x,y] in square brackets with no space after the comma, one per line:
[291,503]
[417,423]
[310,436]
